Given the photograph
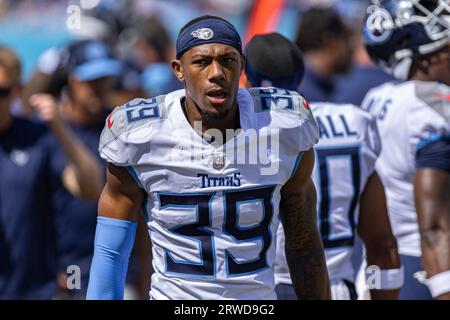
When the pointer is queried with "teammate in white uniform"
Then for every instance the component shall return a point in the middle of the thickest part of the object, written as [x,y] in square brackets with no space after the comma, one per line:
[404,117]
[343,175]
[213,205]
[351,199]
[411,40]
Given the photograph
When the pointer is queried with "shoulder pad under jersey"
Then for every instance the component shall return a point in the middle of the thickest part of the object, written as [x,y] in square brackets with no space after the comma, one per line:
[436,96]
[132,115]
[281,100]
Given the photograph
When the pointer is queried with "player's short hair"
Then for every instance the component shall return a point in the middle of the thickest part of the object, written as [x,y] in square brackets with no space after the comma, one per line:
[316,25]
[11,62]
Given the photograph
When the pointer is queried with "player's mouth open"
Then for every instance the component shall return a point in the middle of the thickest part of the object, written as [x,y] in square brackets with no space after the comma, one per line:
[217,96]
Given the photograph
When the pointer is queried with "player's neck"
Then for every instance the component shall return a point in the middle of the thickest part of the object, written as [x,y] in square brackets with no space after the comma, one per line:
[192,114]
[419,76]
[419,72]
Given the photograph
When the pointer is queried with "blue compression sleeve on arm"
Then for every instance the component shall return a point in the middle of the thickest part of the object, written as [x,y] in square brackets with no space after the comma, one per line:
[114,240]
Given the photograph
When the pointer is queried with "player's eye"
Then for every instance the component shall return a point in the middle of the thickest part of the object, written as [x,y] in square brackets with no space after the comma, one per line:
[229,59]
[201,62]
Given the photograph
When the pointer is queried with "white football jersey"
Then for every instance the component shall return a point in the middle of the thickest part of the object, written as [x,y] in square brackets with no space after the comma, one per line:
[345,157]
[212,208]
[407,113]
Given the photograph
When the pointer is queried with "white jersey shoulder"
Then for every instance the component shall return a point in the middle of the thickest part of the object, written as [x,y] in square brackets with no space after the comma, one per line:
[281,100]
[423,107]
[130,124]
[432,121]
[435,95]
[285,110]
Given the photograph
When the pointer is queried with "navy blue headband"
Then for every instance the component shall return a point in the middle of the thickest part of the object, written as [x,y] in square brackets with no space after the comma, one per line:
[208,31]
[257,79]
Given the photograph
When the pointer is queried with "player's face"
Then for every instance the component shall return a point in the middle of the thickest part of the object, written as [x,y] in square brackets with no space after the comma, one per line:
[91,95]
[343,50]
[439,67]
[8,91]
[211,74]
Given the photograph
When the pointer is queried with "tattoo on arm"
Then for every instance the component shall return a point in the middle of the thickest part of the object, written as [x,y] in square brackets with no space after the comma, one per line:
[304,249]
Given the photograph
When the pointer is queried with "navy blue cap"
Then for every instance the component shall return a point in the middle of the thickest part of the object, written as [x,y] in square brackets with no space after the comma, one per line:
[273,60]
[91,60]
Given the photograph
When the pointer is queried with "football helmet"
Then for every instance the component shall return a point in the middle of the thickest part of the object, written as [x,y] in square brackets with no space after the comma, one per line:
[398,31]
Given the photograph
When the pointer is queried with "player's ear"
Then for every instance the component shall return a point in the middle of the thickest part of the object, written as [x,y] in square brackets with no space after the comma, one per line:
[242,62]
[177,69]
[244,81]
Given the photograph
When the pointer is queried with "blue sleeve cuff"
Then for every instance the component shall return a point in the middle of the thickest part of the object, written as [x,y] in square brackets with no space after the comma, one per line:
[434,137]
[114,241]
[434,155]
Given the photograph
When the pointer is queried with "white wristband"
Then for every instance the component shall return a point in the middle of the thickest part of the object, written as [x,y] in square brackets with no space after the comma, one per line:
[384,279]
[439,283]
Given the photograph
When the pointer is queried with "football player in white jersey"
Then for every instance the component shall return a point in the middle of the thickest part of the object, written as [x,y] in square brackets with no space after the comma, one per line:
[343,175]
[212,217]
[410,38]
